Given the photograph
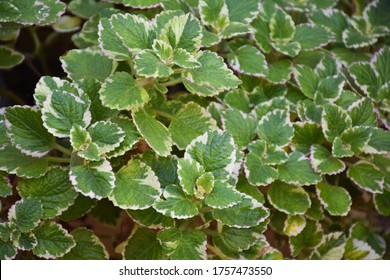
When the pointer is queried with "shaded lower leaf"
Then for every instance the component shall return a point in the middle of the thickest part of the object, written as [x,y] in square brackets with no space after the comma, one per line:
[151,218]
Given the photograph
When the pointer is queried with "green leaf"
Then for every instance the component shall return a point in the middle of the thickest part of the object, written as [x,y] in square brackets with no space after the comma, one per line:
[261,34]
[120,91]
[242,12]
[306,134]
[62,110]
[81,206]
[134,31]
[294,225]
[332,246]
[109,42]
[291,49]
[380,62]
[165,168]
[367,176]
[234,29]
[86,8]
[183,32]
[336,200]
[136,186]
[215,151]
[8,12]
[154,132]
[88,246]
[106,135]
[26,214]
[297,170]
[362,113]
[366,78]
[26,131]
[379,142]
[9,57]
[81,65]
[53,241]
[329,89]
[309,238]
[290,199]
[382,203]
[183,245]
[7,250]
[247,213]
[275,127]
[211,78]
[79,138]
[189,171]
[306,79]
[91,153]
[148,64]
[214,13]
[279,72]
[143,245]
[354,38]
[54,190]
[5,185]
[3,130]
[184,59]
[204,184]
[323,162]
[138,3]
[151,218]
[93,179]
[242,126]
[176,204]
[334,19]
[130,138]
[312,37]
[188,123]
[356,138]
[14,162]
[334,121]
[257,172]
[248,60]
[282,28]
[222,196]
[26,241]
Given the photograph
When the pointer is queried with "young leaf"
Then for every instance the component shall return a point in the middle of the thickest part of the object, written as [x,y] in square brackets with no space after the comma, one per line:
[26,214]
[242,126]
[297,170]
[248,60]
[14,162]
[176,204]
[332,246]
[222,196]
[290,199]
[215,151]
[245,214]
[188,123]
[79,138]
[136,186]
[26,131]
[93,179]
[54,191]
[148,64]
[294,225]
[106,135]
[154,132]
[334,121]
[276,128]
[88,246]
[183,245]
[130,138]
[9,57]
[189,171]
[53,241]
[121,92]
[62,110]
[211,78]
[143,245]
[367,176]
[323,162]
[336,200]
[26,241]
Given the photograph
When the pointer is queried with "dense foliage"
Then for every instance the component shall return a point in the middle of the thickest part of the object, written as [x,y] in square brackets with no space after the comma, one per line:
[199,129]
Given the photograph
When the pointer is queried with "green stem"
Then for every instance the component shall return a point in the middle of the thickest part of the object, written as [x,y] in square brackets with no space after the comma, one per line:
[58,159]
[217,252]
[164,114]
[62,149]
[38,50]
[172,82]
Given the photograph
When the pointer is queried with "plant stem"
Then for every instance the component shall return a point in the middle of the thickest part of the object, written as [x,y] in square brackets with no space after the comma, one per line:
[172,82]
[217,252]
[11,95]
[59,159]
[163,114]
[38,50]
[62,149]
